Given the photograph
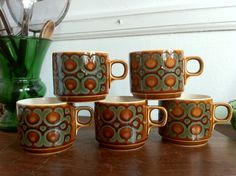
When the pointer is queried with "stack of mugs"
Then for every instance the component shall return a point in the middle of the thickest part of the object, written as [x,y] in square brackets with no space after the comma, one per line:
[49,125]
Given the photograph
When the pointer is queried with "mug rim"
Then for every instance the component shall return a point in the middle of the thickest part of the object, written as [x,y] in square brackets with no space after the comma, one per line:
[191,97]
[81,52]
[157,50]
[121,100]
[42,101]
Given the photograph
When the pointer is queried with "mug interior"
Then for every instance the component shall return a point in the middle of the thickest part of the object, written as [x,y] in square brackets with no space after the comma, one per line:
[159,51]
[89,53]
[121,99]
[41,101]
[193,97]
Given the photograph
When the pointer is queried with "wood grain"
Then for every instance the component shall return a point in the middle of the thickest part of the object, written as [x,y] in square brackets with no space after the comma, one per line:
[218,157]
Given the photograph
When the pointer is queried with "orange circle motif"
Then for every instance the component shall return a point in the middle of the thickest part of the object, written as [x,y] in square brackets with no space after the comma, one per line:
[126,133]
[90,65]
[151,81]
[170,62]
[107,115]
[108,132]
[70,65]
[126,115]
[33,118]
[70,84]
[178,111]
[53,136]
[90,84]
[177,128]
[196,112]
[196,129]
[170,80]
[53,117]
[33,136]
[151,62]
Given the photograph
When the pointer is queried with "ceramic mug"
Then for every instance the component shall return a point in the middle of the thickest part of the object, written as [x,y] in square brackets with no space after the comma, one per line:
[160,74]
[83,76]
[124,122]
[47,125]
[191,119]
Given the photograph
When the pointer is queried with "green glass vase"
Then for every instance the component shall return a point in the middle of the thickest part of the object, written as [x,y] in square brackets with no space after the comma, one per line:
[21,60]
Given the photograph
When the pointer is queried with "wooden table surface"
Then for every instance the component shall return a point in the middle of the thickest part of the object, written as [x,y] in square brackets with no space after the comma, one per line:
[218,157]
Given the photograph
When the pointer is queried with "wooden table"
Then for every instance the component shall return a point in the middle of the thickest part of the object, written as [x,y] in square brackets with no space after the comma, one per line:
[218,157]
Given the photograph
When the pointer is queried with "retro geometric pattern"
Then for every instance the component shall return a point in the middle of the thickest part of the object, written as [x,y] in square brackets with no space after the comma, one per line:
[120,124]
[156,71]
[187,121]
[44,127]
[76,74]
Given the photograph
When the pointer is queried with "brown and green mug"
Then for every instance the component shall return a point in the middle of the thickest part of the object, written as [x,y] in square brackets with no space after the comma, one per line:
[160,74]
[191,119]
[84,76]
[124,122]
[47,125]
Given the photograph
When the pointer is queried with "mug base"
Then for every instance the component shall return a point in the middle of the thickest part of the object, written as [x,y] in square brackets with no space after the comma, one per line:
[185,143]
[158,96]
[120,147]
[82,98]
[47,151]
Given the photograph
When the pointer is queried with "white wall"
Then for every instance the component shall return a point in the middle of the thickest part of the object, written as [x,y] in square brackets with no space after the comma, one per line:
[202,28]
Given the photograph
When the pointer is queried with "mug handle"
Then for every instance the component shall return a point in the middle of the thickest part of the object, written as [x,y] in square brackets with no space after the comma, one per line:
[152,123]
[81,124]
[198,72]
[125,65]
[227,118]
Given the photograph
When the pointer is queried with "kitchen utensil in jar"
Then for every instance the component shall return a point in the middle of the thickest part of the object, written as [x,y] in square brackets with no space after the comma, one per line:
[43,11]
[47,30]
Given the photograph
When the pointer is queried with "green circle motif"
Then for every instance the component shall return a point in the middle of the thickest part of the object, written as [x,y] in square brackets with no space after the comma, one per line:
[135,123]
[103,88]
[43,128]
[204,120]
[80,75]
[161,72]
[178,71]
[187,121]
[24,127]
[117,124]
[139,137]
[67,138]
[99,75]
[63,126]
[139,109]
[102,59]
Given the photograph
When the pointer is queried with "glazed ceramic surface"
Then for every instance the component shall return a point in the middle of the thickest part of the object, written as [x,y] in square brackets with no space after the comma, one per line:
[47,125]
[191,119]
[160,74]
[124,122]
[83,76]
